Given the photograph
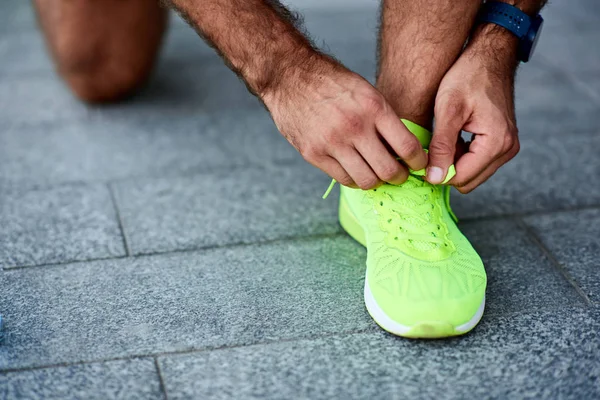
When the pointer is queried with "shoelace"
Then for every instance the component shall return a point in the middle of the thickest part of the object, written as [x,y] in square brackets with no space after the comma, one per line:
[407,212]
[406,209]
[421,172]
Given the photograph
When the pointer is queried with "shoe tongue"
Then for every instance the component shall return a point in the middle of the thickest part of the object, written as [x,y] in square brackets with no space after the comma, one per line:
[421,133]
[424,137]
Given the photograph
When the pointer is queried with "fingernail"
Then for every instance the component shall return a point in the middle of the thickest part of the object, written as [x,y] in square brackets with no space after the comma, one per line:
[435,175]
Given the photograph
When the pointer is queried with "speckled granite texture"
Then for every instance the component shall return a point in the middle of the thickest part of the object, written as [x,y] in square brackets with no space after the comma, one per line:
[174,246]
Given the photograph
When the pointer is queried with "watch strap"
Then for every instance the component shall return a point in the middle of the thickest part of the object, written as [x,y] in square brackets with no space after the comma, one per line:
[507,16]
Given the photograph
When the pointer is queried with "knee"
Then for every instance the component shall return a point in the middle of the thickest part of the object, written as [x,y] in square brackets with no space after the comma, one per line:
[99,77]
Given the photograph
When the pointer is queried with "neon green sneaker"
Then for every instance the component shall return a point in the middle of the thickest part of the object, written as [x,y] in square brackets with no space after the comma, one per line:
[423,279]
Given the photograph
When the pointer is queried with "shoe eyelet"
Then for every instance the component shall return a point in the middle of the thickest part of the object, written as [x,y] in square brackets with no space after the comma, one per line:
[381,203]
[396,238]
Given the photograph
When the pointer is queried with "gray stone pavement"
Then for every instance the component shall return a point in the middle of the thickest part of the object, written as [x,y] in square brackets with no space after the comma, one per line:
[175,246]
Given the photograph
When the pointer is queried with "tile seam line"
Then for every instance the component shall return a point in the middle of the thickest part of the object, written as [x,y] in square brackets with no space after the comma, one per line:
[125,239]
[192,350]
[185,351]
[289,239]
[553,260]
[184,251]
[161,379]
[260,166]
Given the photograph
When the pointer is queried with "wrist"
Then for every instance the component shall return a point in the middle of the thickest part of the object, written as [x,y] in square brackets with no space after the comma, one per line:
[307,73]
[495,47]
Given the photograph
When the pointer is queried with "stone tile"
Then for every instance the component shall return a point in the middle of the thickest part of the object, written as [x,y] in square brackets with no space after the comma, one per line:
[253,138]
[37,99]
[231,296]
[519,277]
[195,89]
[570,15]
[16,15]
[58,225]
[177,302]
[553,103]
[545,93]
[570,47]
[548,174]
[572,237]
[98,149]
[208,86]
[131,379]
[23,52]
[532,356]
[225,207]
[592,82]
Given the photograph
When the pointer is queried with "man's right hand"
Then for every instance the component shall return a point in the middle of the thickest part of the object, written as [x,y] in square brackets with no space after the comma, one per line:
[342,125]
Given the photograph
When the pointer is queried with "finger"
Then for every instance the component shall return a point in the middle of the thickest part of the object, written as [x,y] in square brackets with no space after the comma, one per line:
[387,168]
[449,121]
[358,169]
[401,140]
[488,172]
[482,153]
[331,167]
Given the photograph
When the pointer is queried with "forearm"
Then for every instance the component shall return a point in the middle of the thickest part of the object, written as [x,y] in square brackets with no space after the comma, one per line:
[257,38]
[419,41]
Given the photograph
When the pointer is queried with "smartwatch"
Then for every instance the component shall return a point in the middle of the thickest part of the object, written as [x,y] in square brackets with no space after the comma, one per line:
[526,28]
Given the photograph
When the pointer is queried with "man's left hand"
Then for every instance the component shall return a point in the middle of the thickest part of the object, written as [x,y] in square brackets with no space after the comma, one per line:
[476,95]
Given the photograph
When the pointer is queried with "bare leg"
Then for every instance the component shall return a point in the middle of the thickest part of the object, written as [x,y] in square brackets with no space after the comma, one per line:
[418,42]
[103,49]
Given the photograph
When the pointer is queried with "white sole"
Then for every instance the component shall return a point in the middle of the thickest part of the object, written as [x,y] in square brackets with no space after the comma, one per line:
[409,331]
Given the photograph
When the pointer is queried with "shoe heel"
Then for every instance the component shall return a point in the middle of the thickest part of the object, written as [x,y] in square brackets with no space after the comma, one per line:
[349,222]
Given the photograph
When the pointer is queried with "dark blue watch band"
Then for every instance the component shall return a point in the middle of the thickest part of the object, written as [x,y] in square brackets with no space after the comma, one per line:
[507,16]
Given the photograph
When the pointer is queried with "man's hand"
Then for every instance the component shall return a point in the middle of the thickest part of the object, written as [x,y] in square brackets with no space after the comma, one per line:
[341,124]
[476,95]
[336,119]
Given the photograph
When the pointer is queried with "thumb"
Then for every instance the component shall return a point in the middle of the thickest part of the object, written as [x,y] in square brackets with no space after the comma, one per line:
[448,124]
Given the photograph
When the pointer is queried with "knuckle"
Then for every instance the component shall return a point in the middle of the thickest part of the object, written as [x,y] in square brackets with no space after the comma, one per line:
[514,150]
[332,137]
[389,171]
[373,103]
[410,149]
[440,147]
[345,180]
[510,139]
[367,183]
[310,153]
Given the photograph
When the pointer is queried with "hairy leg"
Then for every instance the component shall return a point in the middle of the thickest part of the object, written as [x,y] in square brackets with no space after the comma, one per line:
[103,49]
[419,40]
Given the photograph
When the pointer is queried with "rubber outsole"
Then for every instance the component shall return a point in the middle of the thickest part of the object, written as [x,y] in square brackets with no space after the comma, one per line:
[420,330]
